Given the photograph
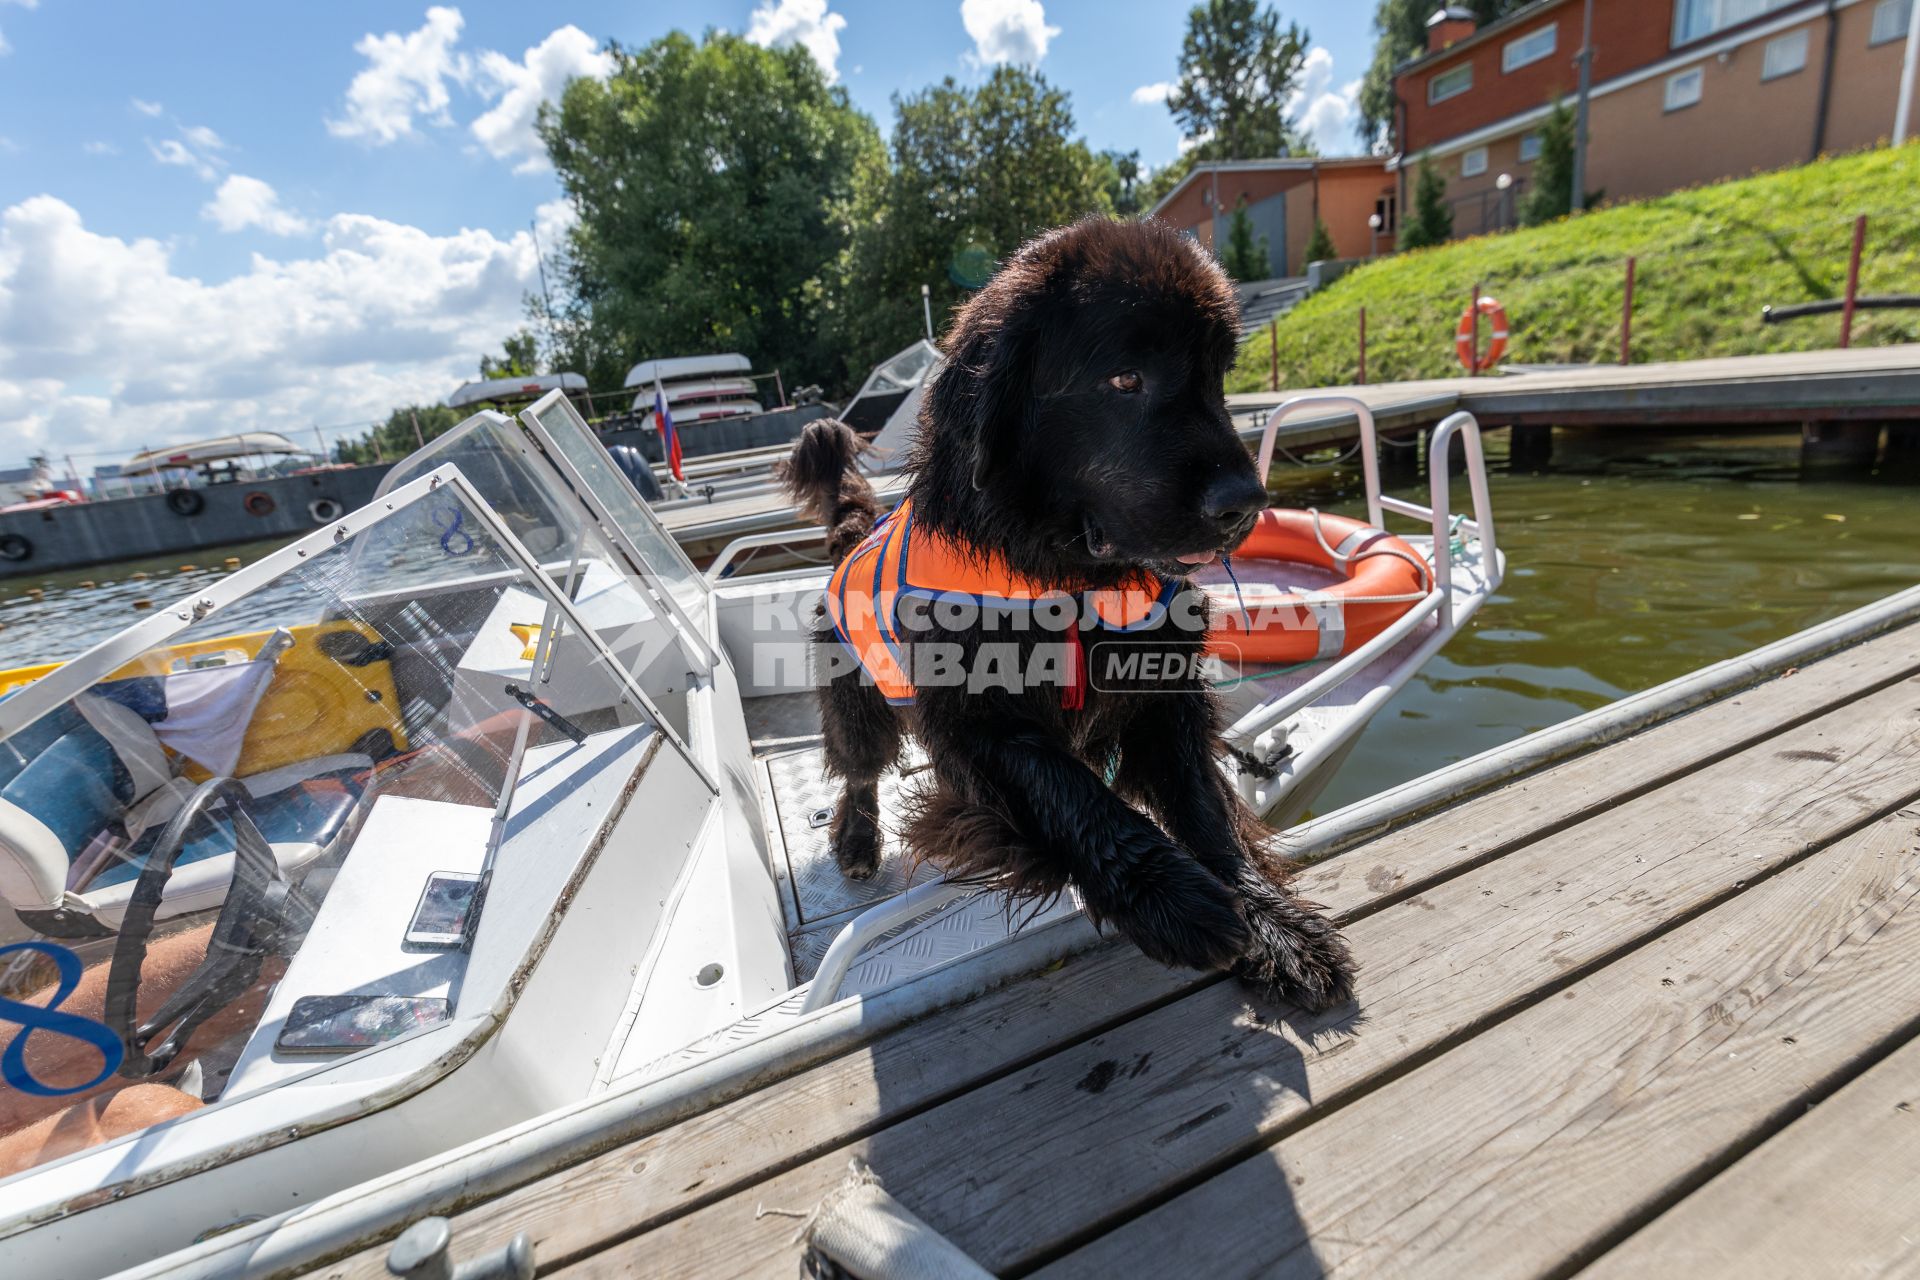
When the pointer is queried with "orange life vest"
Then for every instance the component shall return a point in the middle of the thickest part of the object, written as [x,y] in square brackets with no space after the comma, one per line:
[895,561]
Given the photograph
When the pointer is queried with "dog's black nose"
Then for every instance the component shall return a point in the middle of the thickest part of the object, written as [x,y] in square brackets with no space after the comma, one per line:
[1233,499]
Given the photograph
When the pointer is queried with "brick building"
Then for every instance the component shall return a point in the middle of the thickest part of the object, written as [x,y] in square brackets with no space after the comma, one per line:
[1283,198]
[1683,92]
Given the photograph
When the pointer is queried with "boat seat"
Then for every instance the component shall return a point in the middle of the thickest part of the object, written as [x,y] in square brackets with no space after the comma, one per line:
[85,798]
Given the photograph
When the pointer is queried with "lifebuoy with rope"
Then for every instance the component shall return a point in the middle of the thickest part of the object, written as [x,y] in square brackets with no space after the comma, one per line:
[185,502]
[1265,618]
[258,503]
[14,547]
[1463,335]
[325,510]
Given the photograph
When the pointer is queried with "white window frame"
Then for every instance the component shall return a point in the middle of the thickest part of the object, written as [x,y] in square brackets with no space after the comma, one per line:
[1792,45]
[1473,162]
[1710,17]
[1674,98]
[1519,52]
[1434,92]
[1530,147]
[1890,19]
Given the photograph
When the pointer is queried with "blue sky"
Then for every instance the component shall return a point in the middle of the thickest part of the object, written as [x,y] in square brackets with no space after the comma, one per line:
[227,215]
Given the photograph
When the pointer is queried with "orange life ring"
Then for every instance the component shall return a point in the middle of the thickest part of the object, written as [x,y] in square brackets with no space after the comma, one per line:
[258,503]
[1463,336]
[1385,577]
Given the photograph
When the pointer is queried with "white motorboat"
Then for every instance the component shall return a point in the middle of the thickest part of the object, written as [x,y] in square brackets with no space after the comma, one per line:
[467,809]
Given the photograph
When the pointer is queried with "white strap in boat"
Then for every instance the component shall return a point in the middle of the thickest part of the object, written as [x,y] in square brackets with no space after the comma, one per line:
[1330,616]
[1355,540]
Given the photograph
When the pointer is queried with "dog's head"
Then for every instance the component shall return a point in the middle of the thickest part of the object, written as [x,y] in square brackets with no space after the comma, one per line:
[1079,425]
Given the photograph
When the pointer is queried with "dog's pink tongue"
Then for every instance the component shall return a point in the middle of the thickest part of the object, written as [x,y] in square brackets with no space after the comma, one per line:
[1196,557]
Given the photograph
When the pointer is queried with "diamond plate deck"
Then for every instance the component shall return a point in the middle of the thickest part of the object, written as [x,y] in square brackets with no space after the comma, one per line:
[816,891]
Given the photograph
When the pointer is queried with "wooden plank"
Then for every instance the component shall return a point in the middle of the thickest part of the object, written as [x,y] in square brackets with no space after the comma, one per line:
[1526,1147]
[1019,1166]
[1831,1194]
[1401,863]
[706,1158]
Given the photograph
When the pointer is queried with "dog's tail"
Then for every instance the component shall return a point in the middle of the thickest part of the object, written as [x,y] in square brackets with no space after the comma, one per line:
[820,476]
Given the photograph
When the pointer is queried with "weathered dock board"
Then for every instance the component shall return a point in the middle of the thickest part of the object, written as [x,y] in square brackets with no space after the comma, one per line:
[1652,1009]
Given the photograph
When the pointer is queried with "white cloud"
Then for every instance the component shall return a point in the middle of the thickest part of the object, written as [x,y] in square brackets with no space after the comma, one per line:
[243,202]
[406,76]
[5,48]
[1007,31]
[507,129]
[1158,91]
[807,23]
[147,108]
[1320,111]
[100,149]
[103,345]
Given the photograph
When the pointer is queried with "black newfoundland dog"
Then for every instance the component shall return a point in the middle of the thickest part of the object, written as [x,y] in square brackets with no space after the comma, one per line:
[1078,440]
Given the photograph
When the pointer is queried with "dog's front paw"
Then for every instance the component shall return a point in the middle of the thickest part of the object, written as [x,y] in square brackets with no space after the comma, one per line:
[1294,952]
[856,847]
[1178,913]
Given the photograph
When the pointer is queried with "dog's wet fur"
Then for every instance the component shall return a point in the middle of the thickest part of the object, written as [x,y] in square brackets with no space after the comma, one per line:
[1079,429]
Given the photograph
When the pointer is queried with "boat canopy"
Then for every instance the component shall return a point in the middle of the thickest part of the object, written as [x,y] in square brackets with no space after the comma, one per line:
[896,385]
[647,372]
[245,444]
[496,390]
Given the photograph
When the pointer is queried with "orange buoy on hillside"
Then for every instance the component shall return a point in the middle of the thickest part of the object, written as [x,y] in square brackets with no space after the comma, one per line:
[1267,620]
[1463,336]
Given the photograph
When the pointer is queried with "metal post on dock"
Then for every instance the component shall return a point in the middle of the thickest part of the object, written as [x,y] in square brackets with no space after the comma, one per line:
[1626,318]
[1853,280]
[1473,311]
[1273,355]
[1363,348]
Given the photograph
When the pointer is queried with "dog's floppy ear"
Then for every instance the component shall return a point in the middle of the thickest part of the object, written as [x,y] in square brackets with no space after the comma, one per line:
[983,396]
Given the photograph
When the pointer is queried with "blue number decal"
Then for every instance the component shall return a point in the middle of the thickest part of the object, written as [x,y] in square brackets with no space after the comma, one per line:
[453,530]
[33,1017]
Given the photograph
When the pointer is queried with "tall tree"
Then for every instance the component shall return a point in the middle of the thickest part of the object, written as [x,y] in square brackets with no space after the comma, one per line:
[1432,220]
[1550,192]
[1400,32]
[1237,70]
[711,181]
[521,358]
[1320,244]
[1120,175]
[972,173]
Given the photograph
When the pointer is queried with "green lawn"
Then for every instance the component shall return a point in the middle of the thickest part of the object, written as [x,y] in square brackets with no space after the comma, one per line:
[1708,260]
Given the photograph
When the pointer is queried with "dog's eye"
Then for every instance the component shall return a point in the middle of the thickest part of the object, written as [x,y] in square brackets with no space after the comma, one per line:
[1127,383]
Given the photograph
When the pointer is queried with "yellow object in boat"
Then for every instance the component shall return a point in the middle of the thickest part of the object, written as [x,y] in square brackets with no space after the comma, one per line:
[325,696]
[529,633]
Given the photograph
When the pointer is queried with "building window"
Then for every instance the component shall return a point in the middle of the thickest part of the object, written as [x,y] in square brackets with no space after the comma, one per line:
[1529,147]
[1473,163]
[1683,88]
[1890,18]
[1784,55]
[1697,19]
[1385,210]
[1530,47]
[1450,84]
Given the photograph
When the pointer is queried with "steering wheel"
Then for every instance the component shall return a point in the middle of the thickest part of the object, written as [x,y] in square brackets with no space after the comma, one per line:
[262,910]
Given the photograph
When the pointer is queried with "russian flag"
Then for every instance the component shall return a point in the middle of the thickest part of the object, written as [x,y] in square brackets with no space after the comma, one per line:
[669,438]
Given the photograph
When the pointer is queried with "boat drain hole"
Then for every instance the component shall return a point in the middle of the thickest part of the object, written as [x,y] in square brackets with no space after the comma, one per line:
[820,817]
[708,975]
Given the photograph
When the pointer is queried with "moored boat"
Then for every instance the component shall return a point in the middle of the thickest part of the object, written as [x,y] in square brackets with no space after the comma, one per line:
[483,802]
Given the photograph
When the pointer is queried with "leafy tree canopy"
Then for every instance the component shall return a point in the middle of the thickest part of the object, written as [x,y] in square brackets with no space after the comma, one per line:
[1237,70]
[394,439]
[972,173]
[522,358]
[711,181]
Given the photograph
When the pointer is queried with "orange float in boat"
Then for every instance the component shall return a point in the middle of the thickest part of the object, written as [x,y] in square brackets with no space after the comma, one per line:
[1284,621]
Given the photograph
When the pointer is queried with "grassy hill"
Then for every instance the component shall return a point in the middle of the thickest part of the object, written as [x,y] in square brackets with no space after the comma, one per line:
[1708,260]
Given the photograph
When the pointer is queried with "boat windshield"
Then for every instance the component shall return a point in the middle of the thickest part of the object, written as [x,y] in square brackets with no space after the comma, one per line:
[250,836]
[904,371]
[558,489]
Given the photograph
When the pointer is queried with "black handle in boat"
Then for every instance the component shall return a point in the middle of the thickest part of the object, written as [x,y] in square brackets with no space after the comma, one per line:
[547,713]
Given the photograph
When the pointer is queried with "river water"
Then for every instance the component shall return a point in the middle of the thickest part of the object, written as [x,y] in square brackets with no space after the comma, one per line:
[1637,556]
